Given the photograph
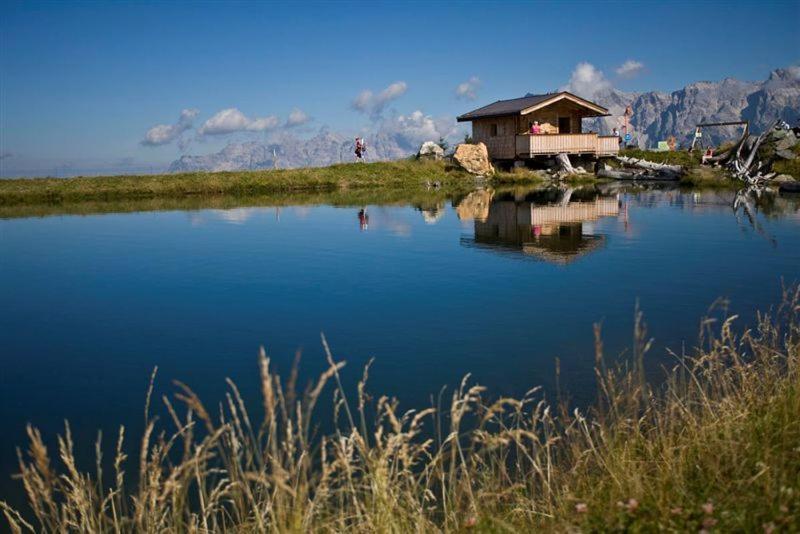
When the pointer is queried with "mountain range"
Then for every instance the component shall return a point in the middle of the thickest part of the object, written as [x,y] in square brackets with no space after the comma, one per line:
[658,115]
[655,116]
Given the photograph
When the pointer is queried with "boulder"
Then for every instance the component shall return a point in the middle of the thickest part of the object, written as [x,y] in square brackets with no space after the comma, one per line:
[430,150]
[785,154]
[474,159]
[784,179]
[788,141]
[779,134]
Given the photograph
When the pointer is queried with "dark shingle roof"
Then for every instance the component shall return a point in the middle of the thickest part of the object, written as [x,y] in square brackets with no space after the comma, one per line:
[505,107]
[513,106]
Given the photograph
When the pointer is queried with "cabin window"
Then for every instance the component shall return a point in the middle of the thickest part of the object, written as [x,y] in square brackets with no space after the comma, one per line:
[564,125]
[493,130]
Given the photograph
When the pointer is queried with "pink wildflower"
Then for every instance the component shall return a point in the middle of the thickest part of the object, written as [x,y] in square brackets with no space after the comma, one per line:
[633,504]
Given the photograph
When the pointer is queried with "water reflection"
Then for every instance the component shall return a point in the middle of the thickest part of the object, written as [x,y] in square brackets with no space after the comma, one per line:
[432,214]
[554,225]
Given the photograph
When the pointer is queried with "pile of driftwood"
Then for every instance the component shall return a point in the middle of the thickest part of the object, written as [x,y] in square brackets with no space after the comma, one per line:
[632,169]
[641,169]
[742,158]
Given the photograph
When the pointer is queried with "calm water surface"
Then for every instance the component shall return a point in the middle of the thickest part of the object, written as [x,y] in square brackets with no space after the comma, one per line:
[499,289]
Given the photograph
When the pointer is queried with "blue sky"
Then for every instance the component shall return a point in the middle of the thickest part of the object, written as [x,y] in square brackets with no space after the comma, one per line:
[86,81]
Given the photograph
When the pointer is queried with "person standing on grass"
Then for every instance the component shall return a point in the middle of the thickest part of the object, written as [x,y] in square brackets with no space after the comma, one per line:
[359,149]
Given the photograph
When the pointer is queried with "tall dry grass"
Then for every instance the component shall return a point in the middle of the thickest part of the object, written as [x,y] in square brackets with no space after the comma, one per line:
[716,446]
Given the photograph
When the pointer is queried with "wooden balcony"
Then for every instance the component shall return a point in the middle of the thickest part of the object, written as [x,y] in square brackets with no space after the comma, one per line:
[528,146]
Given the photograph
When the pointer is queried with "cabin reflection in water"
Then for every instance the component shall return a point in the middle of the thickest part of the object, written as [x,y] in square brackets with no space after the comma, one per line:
[558,232]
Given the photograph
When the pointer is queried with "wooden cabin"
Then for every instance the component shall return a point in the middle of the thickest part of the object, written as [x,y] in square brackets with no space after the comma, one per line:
[504,127]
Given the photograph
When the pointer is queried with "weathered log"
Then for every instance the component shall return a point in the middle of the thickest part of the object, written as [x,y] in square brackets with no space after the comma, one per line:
[567,196]
[619,174]
[565,165]
[650,165]
[753,151]
[742,158]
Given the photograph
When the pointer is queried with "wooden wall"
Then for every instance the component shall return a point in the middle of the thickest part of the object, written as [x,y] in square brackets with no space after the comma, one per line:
[502,145]
[548,118]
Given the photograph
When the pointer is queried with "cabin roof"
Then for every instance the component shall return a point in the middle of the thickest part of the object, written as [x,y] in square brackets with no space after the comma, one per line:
[529,103]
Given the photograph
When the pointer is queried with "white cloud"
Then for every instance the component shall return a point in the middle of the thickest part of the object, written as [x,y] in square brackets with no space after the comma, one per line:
[374,104]
[630,68]
[232,120]
[587,81]
[163,134]
[297,118]
[415,128]
[468,90]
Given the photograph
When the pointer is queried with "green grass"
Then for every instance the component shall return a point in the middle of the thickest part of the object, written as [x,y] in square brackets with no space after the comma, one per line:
[789,166]
[709,178]
[676,157]
[396,175]
[715,447]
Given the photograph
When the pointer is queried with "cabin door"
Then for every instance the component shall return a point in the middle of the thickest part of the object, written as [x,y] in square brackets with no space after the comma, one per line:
[564,125]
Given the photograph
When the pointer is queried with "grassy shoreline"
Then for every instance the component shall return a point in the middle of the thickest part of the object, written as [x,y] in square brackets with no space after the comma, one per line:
[715,447]
[409,175]
[409,181]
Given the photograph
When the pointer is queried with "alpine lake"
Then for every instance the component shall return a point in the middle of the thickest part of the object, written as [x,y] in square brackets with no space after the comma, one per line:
[504,285]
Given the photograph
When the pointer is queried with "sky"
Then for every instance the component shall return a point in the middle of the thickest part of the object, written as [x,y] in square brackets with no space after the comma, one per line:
[140,83]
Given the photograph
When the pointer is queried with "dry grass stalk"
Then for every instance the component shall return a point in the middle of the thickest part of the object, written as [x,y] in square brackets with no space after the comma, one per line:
[716,445]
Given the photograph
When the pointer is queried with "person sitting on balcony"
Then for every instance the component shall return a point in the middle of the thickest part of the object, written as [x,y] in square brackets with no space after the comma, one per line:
[535,128]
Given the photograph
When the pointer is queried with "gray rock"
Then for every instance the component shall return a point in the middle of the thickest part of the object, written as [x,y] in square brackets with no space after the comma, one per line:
[783,179]
[777,135]
[788,141]
[785,154]
[430,150]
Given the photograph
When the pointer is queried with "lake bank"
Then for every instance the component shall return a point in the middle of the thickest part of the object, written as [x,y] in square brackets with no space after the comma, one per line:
[714,447]
[415,178]
[394,176]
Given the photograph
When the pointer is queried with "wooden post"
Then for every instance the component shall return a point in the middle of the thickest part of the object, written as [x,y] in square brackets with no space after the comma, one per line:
[696,131]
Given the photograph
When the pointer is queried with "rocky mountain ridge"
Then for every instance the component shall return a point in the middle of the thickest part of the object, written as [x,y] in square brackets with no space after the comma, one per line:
[656,116]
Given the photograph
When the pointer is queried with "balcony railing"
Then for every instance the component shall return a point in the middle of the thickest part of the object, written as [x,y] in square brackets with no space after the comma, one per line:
[583,143]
